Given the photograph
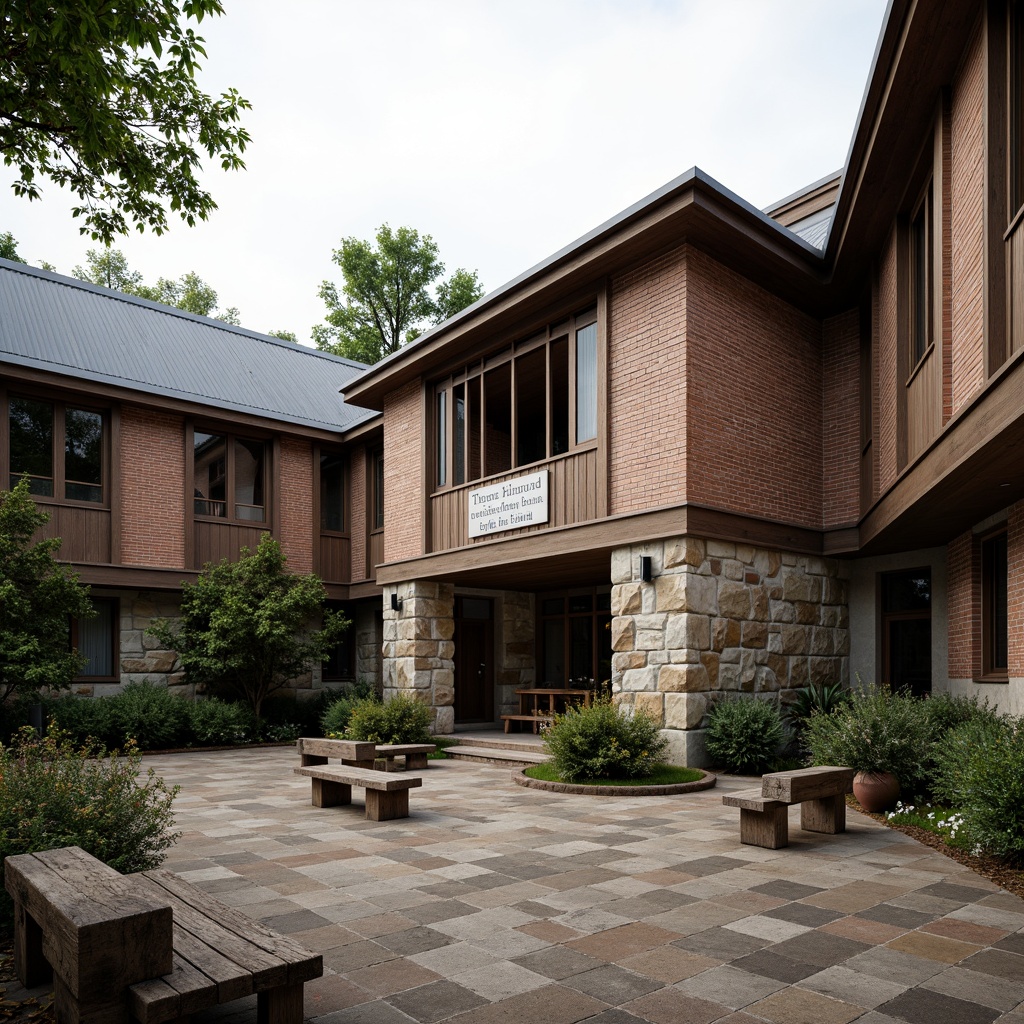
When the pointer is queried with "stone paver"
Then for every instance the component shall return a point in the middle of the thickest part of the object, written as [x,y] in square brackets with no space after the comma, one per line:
[495,903]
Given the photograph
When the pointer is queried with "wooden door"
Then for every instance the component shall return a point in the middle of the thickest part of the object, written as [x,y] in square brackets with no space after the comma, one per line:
[474,659]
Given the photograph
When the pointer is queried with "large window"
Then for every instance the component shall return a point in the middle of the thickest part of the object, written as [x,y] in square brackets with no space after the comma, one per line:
[229,475]
[332,493]
[921,273]
[59,447]
[529,402]
[994,618]
[377,489]
[574,637]
[96,639]
[907,630]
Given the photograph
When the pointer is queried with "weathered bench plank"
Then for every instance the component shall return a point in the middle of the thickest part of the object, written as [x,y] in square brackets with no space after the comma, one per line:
[387,795]
[315,750]
[415,754]
[763,821]
[801,784]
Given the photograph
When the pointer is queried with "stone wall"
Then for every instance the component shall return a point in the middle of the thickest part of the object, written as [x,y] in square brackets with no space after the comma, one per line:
[418,648]
[720,619]
[516,649]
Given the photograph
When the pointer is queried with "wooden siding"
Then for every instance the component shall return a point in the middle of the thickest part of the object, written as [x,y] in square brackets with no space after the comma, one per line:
[214,541]
[335,559]
[1016,303]
[924,404]
[573,490]
[375,553]
[85,532]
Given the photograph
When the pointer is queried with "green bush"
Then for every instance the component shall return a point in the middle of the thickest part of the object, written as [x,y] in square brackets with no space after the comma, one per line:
[822,699]
[604,741]
[336,716]
[54,793]
[214,723]
[745,735]
[150,715]
[84,719]
[944,712]
[878,731]
[402,719]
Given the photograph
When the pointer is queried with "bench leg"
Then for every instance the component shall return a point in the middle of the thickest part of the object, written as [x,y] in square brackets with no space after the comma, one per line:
[381,806]
[330,794]
[391,764]
[30,965]
[769,828]
[68,1009]
[826,815]
[282,1005]
[415,762]
[311,759]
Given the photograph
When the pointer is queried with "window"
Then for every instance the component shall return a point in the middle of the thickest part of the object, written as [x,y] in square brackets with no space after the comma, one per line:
[994,623]
[378,490]
[1016,139]
[229,477]
[516,407]
[921,279]
[340,665]
[574,636]
[907,630]
[332,493]
[60,447]
[96,639]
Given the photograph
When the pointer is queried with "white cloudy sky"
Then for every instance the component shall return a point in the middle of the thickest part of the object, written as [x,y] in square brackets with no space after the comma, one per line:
[504,129]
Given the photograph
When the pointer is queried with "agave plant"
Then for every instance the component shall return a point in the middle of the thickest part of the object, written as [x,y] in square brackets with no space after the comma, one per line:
[821,699]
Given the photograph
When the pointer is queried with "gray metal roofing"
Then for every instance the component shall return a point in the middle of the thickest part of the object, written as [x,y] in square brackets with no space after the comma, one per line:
[815,228]
[54,323]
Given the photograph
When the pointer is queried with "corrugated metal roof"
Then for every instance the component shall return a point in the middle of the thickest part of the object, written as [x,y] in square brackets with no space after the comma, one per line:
[814,229]
[66,326]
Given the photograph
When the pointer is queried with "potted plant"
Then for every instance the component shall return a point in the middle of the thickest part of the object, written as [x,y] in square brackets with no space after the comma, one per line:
[882,735]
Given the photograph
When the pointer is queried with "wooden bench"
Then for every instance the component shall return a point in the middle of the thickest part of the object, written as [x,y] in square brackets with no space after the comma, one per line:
[415,754]
[764,813]
[387,794]
[314,750]
[537,720]
[149,947]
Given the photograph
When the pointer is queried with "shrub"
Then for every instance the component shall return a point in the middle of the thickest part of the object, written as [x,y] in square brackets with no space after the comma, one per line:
[878,731]
[86,720]
[950,757]
[811,700]
[402,719]
[604,741]
[944,712]
[335,718]
[745,735]
[150,715]
[54,793]
[214,722]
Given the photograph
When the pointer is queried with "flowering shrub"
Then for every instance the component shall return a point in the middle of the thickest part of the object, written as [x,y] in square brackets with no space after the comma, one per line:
[604,741]
[744,736]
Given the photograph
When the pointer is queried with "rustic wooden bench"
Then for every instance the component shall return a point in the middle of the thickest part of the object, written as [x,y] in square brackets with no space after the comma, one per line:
[415,754]
[313,750]
[537,720]
[764,813]
[149,947]
[387,794]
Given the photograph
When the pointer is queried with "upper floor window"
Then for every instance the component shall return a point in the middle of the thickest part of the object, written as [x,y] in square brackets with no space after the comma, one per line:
[531,401]
[994,606]
[921,288]
[229,475]
[377,485]
[60,447]
[332,492]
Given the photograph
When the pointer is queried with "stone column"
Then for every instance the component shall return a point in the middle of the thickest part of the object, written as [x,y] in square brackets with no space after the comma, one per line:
[418,649]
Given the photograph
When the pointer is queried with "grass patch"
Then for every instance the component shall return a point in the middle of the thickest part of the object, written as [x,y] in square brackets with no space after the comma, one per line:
[663,775]
[442,743]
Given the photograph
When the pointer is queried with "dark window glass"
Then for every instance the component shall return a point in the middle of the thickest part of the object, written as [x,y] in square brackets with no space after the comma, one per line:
[378,491]
[332,492]
[210,475]
[249,460]
[476,608]
[604,602]
[586,383]
[95,639]
[442,438]
[83,455]
[498,428]
[994,604]
[580,603]
[552,606]
[473,418]
[459,431]
[31,424]
[339,664]
[554,653]
[560,396]
[531,407]
[574,633]
[920,283]
[907,591]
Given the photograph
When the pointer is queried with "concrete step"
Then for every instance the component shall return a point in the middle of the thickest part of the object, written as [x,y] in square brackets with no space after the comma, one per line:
[495,755]
[501,741]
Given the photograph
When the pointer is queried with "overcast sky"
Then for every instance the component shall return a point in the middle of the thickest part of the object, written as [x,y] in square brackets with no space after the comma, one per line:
[503,129]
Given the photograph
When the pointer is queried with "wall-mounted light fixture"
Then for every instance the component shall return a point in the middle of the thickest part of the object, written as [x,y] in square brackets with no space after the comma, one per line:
[645,568]
[396,602]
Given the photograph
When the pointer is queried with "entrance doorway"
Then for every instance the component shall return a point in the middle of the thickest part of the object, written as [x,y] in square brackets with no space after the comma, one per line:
[474,659]
[907,630]
[574,639]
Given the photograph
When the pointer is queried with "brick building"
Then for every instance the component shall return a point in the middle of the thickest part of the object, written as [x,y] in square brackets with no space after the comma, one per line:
[704,449]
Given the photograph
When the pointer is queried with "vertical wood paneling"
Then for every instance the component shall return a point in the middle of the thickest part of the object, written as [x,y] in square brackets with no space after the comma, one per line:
[335,559]
[214,541]
[572,498]
[375,554]
[84,532]
[1016,245]
[924,405]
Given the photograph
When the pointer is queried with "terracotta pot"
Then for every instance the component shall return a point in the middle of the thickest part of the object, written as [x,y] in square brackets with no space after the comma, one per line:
[876,791]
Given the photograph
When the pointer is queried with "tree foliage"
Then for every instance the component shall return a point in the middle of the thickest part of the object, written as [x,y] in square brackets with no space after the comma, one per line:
[38,597]
[102,100]
[386,299]
[245,625]
[9,247]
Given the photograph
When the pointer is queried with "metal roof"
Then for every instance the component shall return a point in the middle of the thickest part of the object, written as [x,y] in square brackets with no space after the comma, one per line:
[55,323]
[815,228]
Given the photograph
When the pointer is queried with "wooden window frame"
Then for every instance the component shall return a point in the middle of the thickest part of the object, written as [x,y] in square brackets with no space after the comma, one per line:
[1015,115]
[375,490]
[318,453]
[567,617]
[990,672]
[921,260]
[58,441]
[563,327]
[115,640]
[230,439]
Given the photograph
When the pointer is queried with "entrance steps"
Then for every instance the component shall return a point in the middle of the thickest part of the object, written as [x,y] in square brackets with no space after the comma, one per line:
[497,748]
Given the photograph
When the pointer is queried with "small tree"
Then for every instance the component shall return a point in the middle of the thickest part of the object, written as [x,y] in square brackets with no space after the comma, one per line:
[245,625]
[38,597]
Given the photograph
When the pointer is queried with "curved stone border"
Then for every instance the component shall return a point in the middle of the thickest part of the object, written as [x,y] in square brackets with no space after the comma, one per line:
[522,779]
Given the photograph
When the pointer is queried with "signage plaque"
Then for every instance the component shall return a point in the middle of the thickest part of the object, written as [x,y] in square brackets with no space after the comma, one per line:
[509,505]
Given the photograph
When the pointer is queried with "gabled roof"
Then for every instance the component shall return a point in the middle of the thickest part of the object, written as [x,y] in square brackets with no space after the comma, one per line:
[58,324]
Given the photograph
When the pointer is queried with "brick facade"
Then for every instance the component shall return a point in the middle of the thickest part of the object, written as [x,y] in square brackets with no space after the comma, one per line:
[841,443]
[295,501]
[404,447]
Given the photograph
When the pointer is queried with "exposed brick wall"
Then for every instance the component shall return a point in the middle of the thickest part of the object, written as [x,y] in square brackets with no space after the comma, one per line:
[152,474]
[647,385]
[295,479]
[886,367]
[754,407]
[1015,590]
[841,418]
[403,478]
[968,188]
[963,602]
[357,510]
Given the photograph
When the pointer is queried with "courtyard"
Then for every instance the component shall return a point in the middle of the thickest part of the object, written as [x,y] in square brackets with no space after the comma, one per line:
[497,903]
